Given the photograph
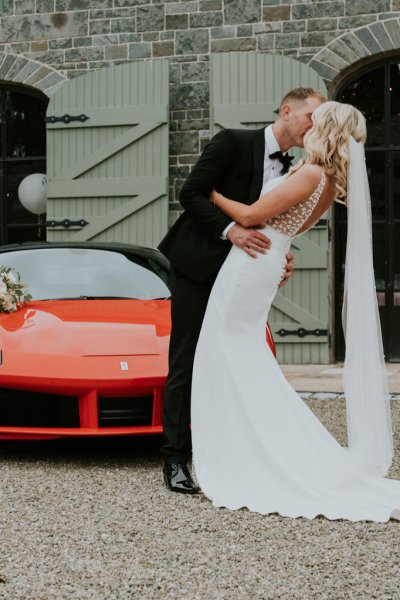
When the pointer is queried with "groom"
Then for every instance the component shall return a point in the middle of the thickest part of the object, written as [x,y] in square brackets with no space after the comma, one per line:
[236,162]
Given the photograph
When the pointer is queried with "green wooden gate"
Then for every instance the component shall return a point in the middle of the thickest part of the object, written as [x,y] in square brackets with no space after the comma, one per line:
[107,149]
[246,89]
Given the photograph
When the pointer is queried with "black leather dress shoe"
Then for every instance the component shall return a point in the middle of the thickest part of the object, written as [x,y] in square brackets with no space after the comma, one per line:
[177,479]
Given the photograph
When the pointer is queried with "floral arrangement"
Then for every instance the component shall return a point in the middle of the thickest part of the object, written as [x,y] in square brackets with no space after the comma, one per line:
[13,293]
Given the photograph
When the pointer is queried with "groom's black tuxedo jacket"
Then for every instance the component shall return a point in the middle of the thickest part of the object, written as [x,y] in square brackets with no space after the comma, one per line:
[232,163]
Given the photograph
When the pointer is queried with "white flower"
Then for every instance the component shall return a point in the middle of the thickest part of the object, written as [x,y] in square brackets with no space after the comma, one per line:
[3,286]
[11,278]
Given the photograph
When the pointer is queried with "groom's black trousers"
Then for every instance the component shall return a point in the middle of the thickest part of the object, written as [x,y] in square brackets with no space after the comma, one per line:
[188,304]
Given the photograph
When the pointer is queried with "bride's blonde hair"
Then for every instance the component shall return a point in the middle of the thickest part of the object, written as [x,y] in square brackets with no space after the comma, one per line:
[327,142]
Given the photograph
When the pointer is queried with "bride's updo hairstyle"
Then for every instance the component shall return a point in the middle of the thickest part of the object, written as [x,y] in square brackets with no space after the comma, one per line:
[327,142]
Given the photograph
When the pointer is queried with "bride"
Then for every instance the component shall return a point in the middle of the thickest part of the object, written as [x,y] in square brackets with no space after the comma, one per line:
[256,444]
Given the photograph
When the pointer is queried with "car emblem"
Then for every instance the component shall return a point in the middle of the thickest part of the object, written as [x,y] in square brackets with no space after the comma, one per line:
[124,366]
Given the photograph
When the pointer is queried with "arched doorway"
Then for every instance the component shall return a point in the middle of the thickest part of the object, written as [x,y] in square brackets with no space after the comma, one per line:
[22,152]
[375,90]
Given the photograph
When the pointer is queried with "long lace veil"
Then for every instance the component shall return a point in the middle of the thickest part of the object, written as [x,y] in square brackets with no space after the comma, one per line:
[365,384]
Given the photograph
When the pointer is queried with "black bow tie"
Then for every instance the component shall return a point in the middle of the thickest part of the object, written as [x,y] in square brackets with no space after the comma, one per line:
[285,159]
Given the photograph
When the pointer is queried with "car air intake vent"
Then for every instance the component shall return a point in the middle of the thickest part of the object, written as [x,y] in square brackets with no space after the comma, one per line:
[120,412]
[20,408]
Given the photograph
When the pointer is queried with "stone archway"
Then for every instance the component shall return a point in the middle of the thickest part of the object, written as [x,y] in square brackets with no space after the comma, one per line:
[352,47]
[19,69]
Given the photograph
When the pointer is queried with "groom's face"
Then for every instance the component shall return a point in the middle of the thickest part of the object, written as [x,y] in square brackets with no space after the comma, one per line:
[298,118]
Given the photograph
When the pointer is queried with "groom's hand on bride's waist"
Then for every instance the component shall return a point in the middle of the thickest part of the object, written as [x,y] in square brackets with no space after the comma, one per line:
[249,240]
[288,269]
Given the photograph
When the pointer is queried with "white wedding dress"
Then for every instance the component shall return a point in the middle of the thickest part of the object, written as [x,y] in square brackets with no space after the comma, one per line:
[256,444]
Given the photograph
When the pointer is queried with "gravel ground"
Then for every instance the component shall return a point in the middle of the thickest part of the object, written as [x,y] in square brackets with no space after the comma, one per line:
[92,520]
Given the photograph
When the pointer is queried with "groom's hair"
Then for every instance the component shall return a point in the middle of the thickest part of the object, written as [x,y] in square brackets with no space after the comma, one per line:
[300,94]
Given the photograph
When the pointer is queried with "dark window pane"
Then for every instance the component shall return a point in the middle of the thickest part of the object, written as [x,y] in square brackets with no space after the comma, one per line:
[396,188]
[34,233]
[377,183]
[394,92]
[25,125]
[367,94]
[395,314]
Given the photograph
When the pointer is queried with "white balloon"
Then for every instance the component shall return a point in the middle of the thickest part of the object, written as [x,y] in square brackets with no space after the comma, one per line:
[32,193]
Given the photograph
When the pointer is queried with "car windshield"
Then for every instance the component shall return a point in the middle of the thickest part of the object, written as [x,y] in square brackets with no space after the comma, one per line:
[54,273]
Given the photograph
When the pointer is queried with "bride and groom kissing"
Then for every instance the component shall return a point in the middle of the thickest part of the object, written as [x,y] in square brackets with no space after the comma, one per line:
[255,442]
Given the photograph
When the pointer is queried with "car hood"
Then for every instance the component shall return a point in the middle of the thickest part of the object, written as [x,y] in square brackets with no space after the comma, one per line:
[86,327]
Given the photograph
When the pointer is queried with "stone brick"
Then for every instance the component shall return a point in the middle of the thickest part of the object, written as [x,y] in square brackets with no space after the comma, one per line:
[25,72]
[68,5]
[167,35]
[50,57]
[181,7]
[83,54]
[244,30]
[318,39]
[61,43]
[235,45]
[318,9]
[149,18]
[174,73]
[368,40]
[18,47]
[393,29]
[39,46]
[354,22]
[123,25]
[139,50]
[380,33]
[324,70]
[117,51]
[354,44]
[129,2]
[100,26]
[198,71]
[82,41]
[276,13]
[126,38]
[293,26]
[287,40]
[48,81]
[206,19]
[163,48]
[333,60]
[184,143]
[210,5]
[274,27]
[342,50]
[265,41]
[19,64]
[6,8]
[242,11]
[360,7]
[177,21]
[223,32]
[192,41]
[105,40]
[191,95]
[43,26]
[24,7]
[151,36]
[322,24]
[194,114]
[44,6]
[113,13]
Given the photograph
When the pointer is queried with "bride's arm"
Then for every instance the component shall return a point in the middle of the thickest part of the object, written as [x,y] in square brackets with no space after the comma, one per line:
[291,191]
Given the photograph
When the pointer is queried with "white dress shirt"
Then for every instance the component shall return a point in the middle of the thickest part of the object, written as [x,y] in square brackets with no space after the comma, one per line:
[272,167]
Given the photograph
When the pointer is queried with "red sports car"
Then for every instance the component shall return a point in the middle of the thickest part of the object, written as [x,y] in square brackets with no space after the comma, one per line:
[88,354]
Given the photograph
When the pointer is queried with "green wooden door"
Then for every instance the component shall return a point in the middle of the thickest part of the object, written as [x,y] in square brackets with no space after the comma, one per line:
[108,156]
[246,89]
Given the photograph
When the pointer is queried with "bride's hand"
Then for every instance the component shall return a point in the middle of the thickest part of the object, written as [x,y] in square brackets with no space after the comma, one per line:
[288,269]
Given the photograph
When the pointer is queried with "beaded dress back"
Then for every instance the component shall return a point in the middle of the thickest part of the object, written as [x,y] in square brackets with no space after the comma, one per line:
[290,221]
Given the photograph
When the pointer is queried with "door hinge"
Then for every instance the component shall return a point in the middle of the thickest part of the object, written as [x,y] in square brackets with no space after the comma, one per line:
[66,119]
[301,332]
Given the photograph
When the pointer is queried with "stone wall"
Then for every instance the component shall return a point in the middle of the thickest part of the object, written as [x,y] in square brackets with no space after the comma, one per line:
[71,36]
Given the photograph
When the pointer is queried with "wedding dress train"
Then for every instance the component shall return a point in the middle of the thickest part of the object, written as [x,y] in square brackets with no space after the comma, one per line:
[256,444]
